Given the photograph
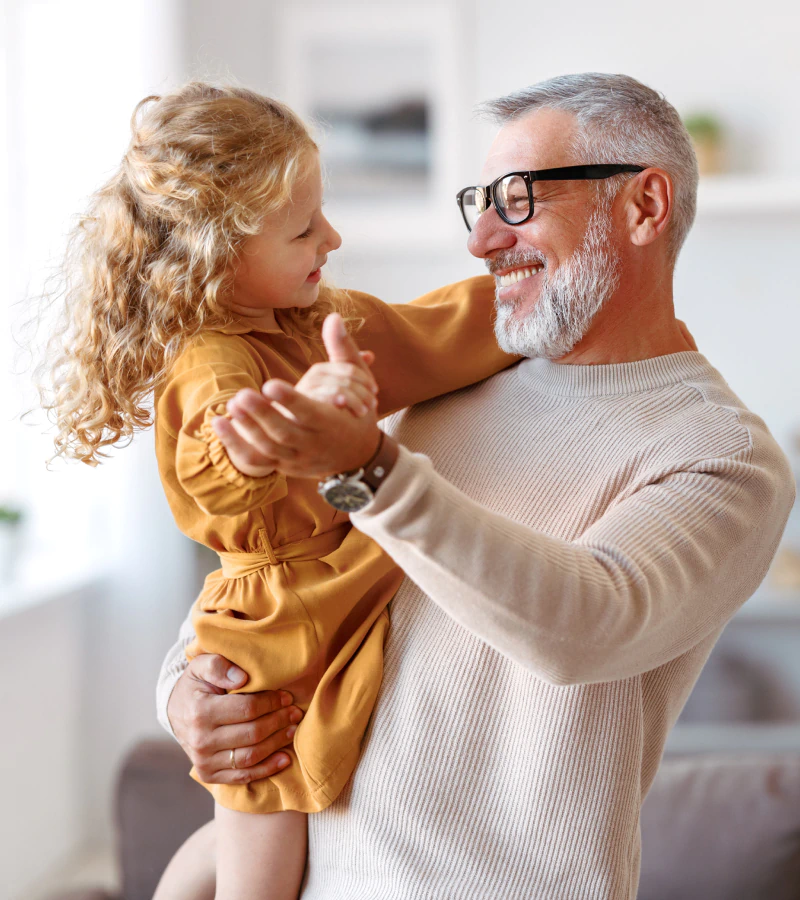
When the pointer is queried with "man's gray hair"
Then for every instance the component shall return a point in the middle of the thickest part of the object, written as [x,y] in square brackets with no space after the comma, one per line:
[620,120]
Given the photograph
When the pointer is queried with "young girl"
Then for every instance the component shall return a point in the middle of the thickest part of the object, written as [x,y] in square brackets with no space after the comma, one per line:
[197,275]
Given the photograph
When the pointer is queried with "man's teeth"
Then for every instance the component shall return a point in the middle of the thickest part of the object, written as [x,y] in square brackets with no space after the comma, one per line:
[518,275]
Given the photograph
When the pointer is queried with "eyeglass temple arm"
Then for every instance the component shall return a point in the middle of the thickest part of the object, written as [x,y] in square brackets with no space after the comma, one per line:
[603,170]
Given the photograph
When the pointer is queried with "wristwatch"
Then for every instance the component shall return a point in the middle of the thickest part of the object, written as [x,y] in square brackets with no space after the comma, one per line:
[352,491]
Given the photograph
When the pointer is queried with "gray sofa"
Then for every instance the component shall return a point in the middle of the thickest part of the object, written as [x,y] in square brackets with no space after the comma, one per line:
[713,827]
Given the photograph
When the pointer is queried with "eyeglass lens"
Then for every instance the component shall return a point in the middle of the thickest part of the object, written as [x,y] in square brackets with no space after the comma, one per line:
[512,199]
[510,196]
[473,203]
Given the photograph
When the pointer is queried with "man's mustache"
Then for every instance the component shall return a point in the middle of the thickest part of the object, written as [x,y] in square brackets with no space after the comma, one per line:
[511,259]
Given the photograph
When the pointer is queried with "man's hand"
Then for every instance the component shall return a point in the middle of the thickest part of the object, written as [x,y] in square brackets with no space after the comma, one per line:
[209,723]
[296,434]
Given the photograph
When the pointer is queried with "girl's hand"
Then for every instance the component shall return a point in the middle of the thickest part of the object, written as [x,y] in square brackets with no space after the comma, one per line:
[342,384]
[253,446]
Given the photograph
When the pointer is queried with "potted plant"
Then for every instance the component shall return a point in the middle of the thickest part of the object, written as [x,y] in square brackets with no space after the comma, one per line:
[707,135]
[10,527]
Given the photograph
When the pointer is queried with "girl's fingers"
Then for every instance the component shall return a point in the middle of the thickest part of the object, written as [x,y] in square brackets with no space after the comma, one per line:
[355,398]
[343,372]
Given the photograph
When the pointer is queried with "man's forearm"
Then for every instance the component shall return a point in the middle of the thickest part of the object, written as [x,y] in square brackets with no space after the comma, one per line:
[172,668]
[644,584]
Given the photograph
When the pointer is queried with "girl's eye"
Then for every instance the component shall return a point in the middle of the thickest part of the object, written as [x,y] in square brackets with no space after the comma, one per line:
[306,233]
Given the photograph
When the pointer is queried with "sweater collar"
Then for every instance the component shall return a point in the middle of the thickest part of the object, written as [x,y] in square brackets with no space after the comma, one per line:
[550,377]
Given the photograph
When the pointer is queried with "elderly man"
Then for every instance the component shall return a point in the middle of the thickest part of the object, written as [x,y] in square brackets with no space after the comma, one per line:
[576,535]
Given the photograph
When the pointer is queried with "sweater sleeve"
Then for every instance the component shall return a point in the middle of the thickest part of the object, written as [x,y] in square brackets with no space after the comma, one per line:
[198,389]
[665,567]
[172,668]
[435,344]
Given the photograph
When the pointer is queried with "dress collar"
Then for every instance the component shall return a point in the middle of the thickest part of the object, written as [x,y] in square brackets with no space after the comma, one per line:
[240,325]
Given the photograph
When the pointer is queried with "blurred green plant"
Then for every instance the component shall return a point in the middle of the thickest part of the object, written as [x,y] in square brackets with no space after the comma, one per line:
[703,126]
[10,515]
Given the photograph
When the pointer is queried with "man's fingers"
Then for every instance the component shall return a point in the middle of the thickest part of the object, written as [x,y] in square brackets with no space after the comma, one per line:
[271,442]
[247,735]
[244,456]
[237,709]
[269,767]
[271,433]
[255,745]
[338,343]
[308,413]
[217,672]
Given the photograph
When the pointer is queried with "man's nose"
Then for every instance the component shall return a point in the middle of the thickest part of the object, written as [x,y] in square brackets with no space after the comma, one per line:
[490,234]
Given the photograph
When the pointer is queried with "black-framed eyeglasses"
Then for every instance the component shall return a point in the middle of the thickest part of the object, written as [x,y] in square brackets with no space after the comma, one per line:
[512,194]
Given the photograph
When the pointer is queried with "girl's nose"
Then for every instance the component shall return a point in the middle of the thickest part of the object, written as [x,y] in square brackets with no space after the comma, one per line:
[333,239]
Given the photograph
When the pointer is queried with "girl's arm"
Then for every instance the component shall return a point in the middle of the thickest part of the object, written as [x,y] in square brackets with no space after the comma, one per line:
[197,391]
[438,343]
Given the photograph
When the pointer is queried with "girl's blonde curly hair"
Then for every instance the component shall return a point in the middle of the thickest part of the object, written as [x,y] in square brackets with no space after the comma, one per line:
[147,266]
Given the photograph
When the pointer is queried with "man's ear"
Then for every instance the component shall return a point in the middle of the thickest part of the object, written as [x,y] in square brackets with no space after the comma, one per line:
[648,197]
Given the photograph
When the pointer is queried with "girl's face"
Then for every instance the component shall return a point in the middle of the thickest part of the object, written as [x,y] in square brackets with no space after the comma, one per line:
[280,267]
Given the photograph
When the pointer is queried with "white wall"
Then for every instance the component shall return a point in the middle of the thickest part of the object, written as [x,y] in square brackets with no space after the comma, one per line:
[41,699]
[78,673]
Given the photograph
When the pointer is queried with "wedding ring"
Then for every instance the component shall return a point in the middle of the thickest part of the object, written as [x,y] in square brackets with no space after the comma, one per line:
[233,759]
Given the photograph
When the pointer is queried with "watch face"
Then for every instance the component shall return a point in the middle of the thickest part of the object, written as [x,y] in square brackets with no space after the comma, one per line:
[348,496]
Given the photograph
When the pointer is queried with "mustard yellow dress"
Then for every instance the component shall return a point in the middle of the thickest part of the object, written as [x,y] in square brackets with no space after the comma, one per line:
[300,600]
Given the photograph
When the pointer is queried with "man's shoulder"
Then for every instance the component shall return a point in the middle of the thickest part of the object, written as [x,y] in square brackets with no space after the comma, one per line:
[702,420]
[719,412]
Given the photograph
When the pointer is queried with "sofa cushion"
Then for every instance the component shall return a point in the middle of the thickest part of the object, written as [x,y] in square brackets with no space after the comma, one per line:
[158,807]
[722,828]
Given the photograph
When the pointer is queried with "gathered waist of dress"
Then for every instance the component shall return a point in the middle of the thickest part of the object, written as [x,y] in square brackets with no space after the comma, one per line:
[238,564]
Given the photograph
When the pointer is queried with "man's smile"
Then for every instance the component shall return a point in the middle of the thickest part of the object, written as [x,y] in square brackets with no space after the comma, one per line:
[512,276]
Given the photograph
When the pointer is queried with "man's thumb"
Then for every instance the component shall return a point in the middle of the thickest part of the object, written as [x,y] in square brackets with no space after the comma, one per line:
[217,672]
[338,343]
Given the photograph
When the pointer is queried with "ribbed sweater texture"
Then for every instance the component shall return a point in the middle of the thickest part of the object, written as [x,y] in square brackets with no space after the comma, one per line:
[574,538]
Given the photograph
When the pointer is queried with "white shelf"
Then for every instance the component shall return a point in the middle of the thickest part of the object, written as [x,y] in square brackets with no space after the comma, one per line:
[718,195]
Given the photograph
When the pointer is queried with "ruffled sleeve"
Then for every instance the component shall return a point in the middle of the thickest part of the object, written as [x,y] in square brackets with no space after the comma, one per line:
[198,390]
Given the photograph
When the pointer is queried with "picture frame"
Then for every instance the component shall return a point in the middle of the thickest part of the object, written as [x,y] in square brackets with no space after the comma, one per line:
[381,88]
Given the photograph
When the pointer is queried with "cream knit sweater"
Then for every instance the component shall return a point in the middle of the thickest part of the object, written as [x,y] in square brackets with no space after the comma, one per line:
[575,539]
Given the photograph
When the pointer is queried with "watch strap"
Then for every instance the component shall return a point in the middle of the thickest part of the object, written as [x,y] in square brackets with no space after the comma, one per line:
[377,470]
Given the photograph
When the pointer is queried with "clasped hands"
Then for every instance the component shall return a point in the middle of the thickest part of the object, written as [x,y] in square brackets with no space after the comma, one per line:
[325,424]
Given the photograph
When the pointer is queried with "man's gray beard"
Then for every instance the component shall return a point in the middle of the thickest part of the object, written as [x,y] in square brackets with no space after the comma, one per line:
[568,301]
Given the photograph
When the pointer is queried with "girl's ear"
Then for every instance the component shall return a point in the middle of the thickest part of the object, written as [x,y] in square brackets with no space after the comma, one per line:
[649,201]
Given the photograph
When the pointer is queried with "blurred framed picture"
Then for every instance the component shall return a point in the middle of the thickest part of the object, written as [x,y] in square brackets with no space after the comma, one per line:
[381,87]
